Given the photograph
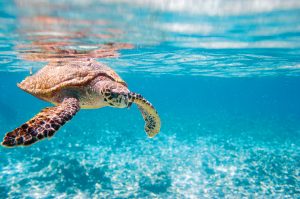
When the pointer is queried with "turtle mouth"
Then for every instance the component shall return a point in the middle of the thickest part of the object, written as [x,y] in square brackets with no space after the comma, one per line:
[129,104]
[127,101]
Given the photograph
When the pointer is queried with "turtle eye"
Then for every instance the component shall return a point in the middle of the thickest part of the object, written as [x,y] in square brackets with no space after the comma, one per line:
[114,95]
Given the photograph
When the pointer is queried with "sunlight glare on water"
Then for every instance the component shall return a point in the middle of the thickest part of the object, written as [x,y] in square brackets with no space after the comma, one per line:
[215,38]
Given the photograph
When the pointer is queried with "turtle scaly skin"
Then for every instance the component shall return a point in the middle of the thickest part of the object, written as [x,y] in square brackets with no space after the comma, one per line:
[44,124]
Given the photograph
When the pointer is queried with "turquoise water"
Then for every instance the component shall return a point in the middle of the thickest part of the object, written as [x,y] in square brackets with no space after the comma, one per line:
[223,76]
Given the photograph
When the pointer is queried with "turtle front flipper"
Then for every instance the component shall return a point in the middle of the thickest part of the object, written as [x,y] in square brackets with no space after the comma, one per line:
[150,115]
[44,124]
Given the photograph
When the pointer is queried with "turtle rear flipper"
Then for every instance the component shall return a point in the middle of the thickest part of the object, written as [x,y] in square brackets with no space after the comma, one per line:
[44,124]
[150,115]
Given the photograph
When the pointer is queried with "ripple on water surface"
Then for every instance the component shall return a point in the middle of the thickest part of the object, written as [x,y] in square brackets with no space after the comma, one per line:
[216,38]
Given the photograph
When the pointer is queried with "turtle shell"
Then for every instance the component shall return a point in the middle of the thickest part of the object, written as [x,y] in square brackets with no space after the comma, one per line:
[63,74]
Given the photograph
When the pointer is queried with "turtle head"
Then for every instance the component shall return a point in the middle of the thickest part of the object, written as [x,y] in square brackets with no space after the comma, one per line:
[117,96]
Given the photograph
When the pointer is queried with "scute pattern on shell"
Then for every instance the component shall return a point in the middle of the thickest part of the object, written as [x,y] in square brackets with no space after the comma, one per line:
[62,74]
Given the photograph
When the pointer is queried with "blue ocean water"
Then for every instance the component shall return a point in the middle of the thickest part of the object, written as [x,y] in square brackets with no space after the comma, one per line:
[223,76]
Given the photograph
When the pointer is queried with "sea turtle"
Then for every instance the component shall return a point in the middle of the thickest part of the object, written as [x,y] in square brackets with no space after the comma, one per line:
[71,85]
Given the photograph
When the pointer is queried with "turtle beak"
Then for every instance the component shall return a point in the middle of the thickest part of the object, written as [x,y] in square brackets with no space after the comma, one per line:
[129,104]
[129,100]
